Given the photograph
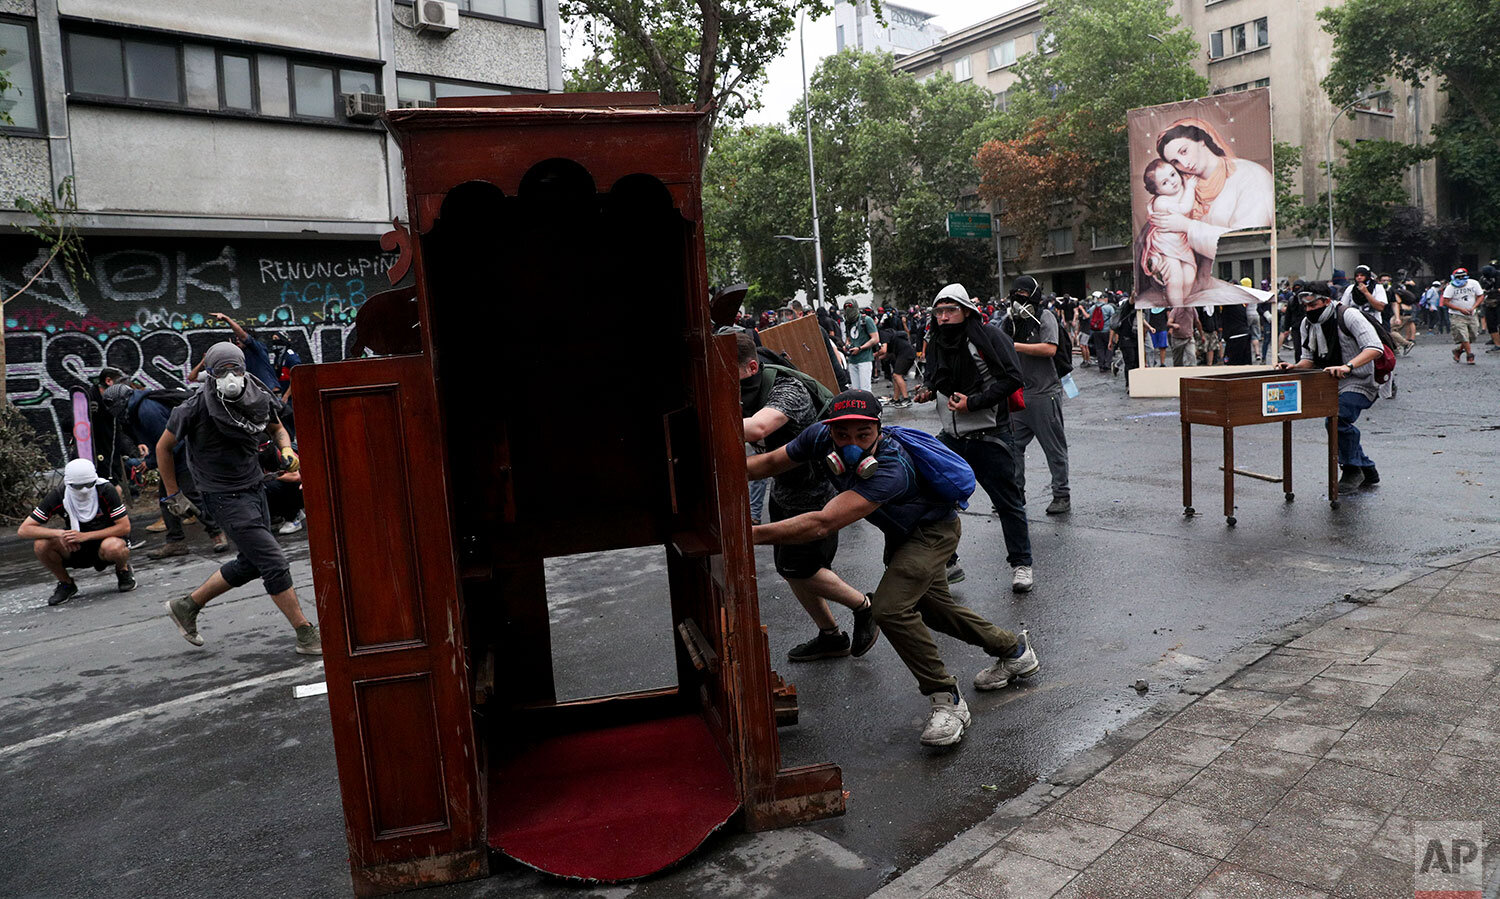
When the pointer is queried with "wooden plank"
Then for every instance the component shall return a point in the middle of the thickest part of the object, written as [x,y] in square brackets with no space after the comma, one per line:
[802,341]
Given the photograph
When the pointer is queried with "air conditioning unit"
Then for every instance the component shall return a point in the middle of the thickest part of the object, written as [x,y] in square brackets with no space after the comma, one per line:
[418,104]
[362,107]
[438,16]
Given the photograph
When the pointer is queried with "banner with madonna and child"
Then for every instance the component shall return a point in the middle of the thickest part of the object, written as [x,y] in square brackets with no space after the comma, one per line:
[1200,169]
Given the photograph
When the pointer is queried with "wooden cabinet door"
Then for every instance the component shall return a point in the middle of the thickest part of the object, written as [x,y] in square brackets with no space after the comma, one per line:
[388,600]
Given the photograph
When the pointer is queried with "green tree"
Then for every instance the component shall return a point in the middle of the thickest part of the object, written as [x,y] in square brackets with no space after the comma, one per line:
[1442,42]
[709,53]
[755,187]
[1414,41]
[1369,183]
[1068,108]
[893,156]
[899,158]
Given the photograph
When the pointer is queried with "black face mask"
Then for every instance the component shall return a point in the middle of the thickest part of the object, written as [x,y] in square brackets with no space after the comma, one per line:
[751,389]
[950,334]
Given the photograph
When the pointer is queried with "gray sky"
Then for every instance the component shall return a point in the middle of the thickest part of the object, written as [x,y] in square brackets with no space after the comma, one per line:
[784,76]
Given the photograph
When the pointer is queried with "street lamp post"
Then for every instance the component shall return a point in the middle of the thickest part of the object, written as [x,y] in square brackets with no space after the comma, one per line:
[798,239]
[1328,154]
[812,178]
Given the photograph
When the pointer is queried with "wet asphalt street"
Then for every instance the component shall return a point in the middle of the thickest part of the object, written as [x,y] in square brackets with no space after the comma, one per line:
[136,765]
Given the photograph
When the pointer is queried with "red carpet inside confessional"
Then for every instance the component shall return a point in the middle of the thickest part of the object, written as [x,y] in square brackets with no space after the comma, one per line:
[612,804]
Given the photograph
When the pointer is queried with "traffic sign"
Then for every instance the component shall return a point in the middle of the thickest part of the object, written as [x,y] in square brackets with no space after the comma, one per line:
[970,224]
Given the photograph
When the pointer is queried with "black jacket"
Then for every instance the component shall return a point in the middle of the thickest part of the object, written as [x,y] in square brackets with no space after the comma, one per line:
[999,354]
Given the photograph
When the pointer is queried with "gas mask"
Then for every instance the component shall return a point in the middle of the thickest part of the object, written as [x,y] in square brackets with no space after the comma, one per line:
[851,457]
[230,385]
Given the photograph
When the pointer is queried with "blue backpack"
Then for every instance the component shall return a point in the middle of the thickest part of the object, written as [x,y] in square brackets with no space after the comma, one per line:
[946,472]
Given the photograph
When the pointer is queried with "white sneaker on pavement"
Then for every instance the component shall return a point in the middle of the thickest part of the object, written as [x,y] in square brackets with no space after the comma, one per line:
[946,725]
[1005,671]
[1022,580]
[293,526]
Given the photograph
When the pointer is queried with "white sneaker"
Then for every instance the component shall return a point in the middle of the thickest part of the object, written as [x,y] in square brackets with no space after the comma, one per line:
[293,526]
[1022,580]
[1004,671]
[946,726]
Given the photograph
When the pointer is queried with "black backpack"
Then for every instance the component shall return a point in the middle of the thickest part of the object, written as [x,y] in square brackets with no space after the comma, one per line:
[1062,360]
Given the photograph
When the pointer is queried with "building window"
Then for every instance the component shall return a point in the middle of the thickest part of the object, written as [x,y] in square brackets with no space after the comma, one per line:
[1046,41]
[528,11]
[275,93]
[1377,100]
[1216,45]
[417,90]
[18,57]
[1237,39]
[1010,248]
[1059,242]
[1262,33]
[1002,54]
[841,39]
[962,70]
[210,78]
[1002,101]
[237,82]
[96,65]
[1226,271]
[1108,240]
[1261,82]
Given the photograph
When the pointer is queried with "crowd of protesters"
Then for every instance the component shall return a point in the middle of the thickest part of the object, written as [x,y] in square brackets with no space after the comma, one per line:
[997,373]
[225,459]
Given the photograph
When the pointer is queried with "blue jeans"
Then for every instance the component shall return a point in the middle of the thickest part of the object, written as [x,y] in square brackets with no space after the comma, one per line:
[1350,452]
[997,471]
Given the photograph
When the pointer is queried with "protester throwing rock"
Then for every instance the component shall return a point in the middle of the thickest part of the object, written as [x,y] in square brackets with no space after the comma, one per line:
[224,422]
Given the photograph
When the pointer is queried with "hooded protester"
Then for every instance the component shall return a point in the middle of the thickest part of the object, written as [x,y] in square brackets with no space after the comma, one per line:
[97,525]
[142,415]
[223,423]
[972,371]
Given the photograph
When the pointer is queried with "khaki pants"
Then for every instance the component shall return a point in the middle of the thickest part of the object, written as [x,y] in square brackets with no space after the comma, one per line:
[913,596]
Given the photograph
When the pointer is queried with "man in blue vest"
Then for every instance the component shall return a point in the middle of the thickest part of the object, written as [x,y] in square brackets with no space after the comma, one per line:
[876,479]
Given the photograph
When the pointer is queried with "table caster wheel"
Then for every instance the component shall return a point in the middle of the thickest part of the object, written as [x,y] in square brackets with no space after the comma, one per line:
[1188,511]
[1290,497]
[1231,521]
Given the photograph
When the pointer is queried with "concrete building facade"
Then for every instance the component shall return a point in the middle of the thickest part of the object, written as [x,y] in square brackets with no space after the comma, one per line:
[219,165]
[904,29]
[1246,44]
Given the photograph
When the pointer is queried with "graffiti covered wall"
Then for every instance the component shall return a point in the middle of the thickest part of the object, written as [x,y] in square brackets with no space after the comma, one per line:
[148,310]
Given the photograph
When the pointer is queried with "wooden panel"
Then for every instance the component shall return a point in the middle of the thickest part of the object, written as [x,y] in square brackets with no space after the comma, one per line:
[402,721]
[403,764]
[803,342]
[373,515]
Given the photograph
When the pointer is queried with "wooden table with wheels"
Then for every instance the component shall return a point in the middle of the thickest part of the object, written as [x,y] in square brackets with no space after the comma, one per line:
[1252,398]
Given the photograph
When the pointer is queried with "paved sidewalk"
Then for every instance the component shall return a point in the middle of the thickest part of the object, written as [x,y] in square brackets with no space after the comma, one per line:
[1297,776]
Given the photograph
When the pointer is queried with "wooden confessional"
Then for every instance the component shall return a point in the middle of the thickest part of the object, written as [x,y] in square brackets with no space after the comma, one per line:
[512,423]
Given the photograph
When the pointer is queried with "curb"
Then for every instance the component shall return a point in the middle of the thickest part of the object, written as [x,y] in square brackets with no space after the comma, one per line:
[927,874]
